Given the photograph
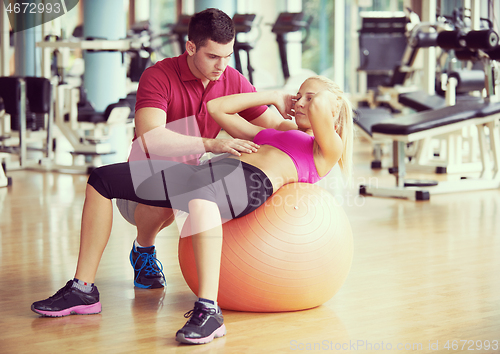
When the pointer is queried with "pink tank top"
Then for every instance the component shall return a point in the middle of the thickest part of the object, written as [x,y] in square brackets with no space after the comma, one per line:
[296,144]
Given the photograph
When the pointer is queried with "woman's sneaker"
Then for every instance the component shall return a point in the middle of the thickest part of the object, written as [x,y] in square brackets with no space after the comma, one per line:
[148,270]
[69,301]
[204,324]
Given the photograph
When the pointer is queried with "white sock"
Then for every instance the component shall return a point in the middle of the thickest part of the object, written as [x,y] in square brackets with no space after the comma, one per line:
[83,286]
[138,245]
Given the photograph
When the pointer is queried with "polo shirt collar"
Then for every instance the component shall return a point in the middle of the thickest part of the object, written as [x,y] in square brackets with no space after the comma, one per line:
[186,74]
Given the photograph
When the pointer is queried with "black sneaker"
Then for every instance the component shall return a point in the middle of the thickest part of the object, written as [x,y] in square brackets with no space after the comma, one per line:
[148,270]
[205,324]
[69,301]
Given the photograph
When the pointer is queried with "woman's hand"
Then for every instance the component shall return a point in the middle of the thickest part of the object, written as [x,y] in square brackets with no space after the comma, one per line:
[328,100]
[285,103]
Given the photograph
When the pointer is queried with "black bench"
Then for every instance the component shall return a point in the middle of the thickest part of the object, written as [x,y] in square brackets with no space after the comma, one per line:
[432,123]
[87,112]
[38,100]
[431,119]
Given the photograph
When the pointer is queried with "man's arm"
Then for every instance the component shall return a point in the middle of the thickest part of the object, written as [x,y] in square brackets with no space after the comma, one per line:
[268,119]
[158,140]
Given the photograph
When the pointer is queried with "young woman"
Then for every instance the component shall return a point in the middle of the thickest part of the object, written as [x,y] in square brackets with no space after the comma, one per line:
[226,187]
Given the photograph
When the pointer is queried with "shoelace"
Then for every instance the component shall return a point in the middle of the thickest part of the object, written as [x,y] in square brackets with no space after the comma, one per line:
[150,264]
[198,315]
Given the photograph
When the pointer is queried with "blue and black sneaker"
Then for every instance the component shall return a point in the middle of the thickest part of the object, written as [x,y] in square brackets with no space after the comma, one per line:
[204,324]
[148,270]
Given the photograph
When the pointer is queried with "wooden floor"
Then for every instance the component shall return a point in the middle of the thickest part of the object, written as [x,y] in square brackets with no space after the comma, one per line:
[424,275]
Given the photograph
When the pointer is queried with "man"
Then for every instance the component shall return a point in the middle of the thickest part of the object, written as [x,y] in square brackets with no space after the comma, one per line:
[174,93]
[172,123]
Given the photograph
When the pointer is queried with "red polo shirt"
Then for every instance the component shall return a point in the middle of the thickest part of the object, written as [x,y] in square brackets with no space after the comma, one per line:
[171,86]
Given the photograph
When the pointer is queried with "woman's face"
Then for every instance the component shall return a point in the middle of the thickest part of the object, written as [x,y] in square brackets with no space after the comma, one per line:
[306,92]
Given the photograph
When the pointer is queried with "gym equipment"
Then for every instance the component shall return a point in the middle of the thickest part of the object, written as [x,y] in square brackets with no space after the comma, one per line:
[382,43]
[180,29]
[30,116]
[293,253]
[434,123]
[449,121]
[140,58]
[141,45]
[86,130]
[6,42]
[454,152]
[388,53]
[399,96]
[4,119]
[243,23]
[459,83]
[27,117]
[366,117]
[387,59]
[288,22]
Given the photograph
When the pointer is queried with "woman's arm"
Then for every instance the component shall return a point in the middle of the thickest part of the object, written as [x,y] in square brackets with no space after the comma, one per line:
[323,113]
[287,125]
[224,110]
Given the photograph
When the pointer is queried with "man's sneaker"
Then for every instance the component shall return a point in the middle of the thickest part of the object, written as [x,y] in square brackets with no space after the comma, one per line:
[204,324]
[69,301]
[148,270]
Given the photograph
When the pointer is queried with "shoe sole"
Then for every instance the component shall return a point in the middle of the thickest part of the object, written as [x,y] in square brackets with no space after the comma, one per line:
[75,310]
[219,332]
[139,285]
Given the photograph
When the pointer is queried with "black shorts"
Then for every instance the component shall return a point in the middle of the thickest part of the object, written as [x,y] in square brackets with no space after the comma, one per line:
[237,187]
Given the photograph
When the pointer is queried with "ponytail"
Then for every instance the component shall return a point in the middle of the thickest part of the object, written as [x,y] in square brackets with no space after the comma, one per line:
[345,125]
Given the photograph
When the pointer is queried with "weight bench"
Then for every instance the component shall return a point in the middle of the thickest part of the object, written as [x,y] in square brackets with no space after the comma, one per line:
[421,101]
[27,118]
[86,129]
[429,124]
[460,84]
[4,118]
[367,117]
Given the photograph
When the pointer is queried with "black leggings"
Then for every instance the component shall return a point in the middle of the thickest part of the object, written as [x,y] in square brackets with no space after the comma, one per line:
[237,187]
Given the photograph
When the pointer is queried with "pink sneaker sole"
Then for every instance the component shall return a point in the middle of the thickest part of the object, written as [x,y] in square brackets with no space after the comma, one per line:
[76,310]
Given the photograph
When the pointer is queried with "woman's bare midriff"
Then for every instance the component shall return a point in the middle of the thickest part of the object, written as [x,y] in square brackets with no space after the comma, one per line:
[276,164]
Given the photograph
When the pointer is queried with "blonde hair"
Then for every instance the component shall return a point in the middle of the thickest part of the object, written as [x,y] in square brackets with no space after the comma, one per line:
[345,127]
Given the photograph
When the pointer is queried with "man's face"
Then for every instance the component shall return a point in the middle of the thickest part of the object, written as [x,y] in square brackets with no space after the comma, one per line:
[210,60]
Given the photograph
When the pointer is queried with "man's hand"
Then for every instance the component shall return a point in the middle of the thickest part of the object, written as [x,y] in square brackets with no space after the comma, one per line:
[232,146]
[285,103]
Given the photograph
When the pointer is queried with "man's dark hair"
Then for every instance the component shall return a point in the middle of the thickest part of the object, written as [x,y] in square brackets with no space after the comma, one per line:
[210,24]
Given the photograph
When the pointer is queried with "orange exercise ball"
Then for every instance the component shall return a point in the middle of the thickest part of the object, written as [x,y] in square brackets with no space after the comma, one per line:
[293,253]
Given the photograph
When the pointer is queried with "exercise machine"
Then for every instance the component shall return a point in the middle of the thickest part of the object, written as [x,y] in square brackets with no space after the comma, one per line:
[75,119]
[484,115]
[382,43]
[400,93]
[243,23]
[25,120]
[180,30]
[4,128]
[288,22]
